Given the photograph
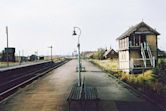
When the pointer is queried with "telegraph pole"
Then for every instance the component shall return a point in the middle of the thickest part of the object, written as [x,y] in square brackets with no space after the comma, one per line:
[51,52]
[19,58]
[7,58]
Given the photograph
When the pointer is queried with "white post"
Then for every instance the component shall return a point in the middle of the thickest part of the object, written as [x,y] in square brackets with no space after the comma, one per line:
[132,63]
[51,52]
[7,54]
[19,58]
[79,66]
[153,62]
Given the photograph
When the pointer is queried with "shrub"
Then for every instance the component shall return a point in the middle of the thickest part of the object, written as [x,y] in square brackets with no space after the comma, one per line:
[124,77]
[162,64]
[132,79]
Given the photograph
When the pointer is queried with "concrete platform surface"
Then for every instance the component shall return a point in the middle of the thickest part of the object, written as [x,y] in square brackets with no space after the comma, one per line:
[50,93]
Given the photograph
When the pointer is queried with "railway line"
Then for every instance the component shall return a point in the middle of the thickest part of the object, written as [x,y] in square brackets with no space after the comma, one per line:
[11,80]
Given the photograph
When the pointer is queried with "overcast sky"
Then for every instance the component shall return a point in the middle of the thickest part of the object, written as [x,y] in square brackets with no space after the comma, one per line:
[34,25]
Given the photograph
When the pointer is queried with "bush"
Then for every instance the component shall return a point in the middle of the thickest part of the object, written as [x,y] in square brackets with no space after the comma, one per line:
[162,64]
[155,70]
[125,77]
[98,54]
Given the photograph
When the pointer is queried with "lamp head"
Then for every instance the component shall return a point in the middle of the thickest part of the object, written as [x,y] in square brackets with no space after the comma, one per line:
[74,32]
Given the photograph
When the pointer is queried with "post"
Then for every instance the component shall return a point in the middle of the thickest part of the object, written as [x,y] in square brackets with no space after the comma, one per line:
[19,58]
[79,66]
[51,52]
[132,63]
[153,59]
[7,55]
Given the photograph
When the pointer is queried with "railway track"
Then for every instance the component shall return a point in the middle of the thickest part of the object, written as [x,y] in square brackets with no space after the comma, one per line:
[10,84]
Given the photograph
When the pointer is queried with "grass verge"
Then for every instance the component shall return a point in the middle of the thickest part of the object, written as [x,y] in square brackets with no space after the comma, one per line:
[145,82]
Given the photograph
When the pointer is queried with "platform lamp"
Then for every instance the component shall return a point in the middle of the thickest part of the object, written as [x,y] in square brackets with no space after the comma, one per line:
[79,62]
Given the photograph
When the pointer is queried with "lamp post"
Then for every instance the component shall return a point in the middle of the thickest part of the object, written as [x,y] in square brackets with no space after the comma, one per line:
[79,62]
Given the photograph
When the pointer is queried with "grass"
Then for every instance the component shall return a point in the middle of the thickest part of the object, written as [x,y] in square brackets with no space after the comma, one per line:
[163,60]
[4,64]
[107,65]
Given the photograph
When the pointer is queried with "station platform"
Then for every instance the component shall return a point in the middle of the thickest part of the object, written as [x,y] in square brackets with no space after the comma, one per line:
[24,64]
[50,93]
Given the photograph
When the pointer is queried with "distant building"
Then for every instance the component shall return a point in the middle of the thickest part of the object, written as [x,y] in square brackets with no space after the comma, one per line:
[24,59]
[33,57]
[110,54]
[41,58]
[138,48]
[8,54]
